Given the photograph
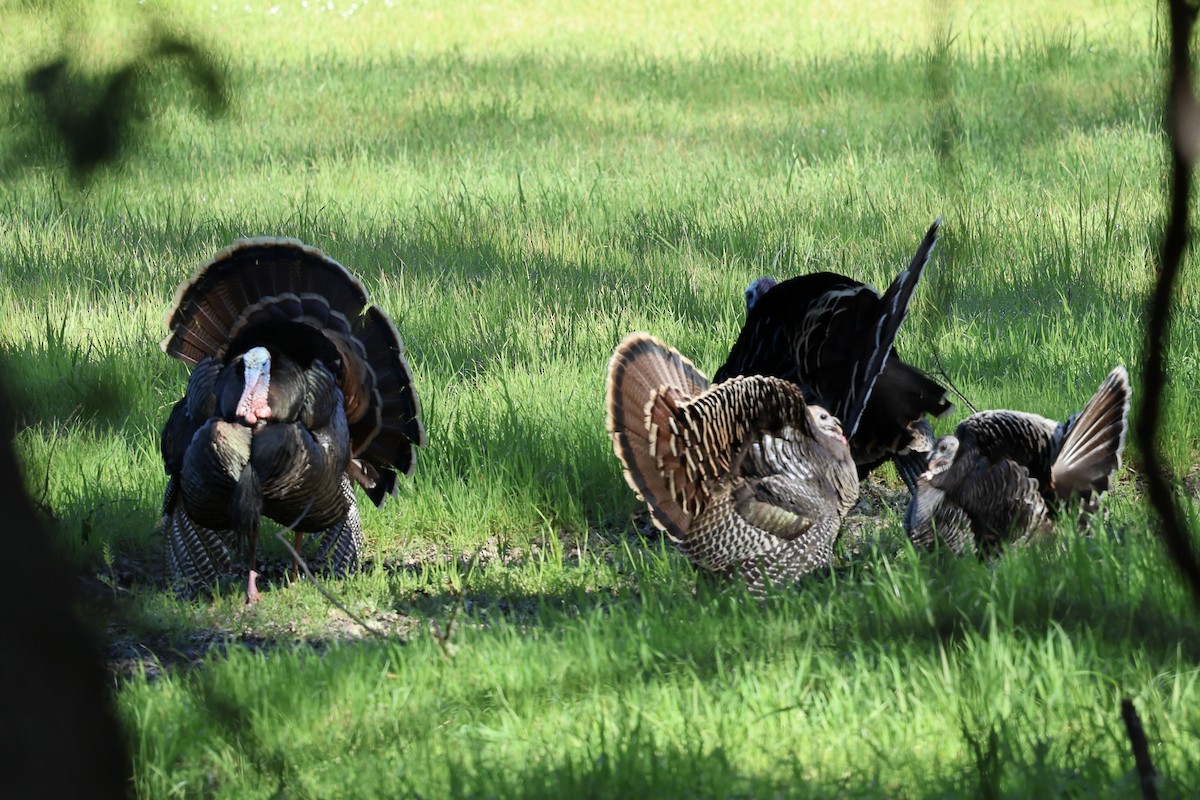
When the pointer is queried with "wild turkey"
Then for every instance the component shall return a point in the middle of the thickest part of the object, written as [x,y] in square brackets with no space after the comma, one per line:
[1005,475]
[298,388]
[746,477]
[833,336]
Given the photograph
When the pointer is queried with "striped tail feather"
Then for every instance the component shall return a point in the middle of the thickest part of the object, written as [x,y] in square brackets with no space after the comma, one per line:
[647,382]
[340,551]
[195,555]
[682,442]
[209,306]
[1094,440]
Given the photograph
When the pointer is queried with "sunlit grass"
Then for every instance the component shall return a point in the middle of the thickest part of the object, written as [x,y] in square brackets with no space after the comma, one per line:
[880,681]
[520,185]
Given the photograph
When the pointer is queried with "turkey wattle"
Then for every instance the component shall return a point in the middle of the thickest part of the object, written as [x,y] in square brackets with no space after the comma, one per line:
[299,390]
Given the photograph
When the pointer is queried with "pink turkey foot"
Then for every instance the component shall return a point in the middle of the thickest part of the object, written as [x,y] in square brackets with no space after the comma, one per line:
[252,594]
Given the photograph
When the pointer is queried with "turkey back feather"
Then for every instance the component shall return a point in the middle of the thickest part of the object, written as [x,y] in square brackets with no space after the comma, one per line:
[1004,504]
[1030,440]
[834,337]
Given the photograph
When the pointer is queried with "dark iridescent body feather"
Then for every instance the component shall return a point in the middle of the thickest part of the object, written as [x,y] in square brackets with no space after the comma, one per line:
[833,336]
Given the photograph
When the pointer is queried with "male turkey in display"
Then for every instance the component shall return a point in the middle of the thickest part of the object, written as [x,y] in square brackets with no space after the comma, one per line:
[833,336]
[299,386]
[1005,475]
[745,476]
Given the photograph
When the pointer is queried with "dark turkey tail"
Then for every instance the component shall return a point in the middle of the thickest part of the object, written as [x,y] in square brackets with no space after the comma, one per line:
[387,440]
[257,282]
[903,396]
[647,380]
[1093,442]
[894,305]
[284,294]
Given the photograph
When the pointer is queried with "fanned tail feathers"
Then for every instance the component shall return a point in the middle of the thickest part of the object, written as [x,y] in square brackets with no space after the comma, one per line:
[684,443]
[647,381]
[211,307]
[1094,440]
[399,426]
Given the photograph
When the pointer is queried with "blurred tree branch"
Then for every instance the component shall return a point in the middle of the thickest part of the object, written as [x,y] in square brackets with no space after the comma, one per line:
[92,120]
[1183,131]
[60,735]
[1147,774]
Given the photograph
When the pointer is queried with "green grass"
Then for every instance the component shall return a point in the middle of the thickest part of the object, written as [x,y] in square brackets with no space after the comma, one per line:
[879,681]
[520,185]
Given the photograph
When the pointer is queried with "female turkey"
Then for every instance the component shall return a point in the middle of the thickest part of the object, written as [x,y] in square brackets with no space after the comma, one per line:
[745,476]
[1005,475]
[298,387]
[833,336]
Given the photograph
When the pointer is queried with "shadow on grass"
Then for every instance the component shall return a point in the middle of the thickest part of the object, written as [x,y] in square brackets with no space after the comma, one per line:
[74,385]
[872,610]
[1002,761]
[621,752]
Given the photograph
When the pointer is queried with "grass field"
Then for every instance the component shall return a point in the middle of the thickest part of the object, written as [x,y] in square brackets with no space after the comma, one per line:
[520,185]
